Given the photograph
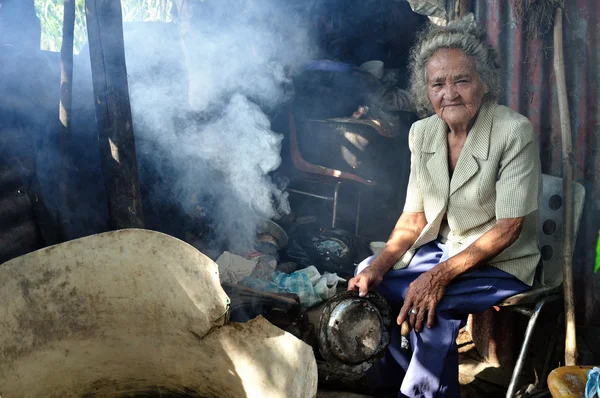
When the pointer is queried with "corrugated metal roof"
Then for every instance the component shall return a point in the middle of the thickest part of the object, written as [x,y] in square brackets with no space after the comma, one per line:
[530,88]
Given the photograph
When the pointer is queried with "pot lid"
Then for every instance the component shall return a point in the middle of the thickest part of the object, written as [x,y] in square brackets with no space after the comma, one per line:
[353,330]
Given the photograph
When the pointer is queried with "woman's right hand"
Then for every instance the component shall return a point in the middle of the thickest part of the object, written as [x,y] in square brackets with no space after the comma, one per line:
[367,280]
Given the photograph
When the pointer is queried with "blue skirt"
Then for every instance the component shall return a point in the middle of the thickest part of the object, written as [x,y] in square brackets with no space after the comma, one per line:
[432,369]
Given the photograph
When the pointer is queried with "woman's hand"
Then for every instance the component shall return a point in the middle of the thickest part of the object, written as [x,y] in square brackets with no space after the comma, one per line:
[367,280]
[423,296]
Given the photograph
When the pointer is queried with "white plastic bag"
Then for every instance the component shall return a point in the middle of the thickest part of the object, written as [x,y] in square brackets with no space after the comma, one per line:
[326,285]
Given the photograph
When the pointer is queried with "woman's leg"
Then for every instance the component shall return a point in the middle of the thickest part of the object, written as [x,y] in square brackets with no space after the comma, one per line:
[387,375]
[433,368]
[432,371]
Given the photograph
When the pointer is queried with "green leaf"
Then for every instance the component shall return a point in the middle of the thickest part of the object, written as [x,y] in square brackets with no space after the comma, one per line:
[50,13]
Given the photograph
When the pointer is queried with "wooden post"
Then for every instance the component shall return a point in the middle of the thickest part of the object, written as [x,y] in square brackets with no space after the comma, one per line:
[567,163]
[66,99]
[113,113]
[457,9]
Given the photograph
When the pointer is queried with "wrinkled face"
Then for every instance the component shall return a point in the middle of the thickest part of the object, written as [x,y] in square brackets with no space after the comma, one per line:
[454,87]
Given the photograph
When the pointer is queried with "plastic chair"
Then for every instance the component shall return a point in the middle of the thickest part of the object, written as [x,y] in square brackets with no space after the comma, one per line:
[547,286]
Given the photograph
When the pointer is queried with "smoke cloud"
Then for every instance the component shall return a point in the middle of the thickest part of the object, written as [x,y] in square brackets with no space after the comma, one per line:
[205,143]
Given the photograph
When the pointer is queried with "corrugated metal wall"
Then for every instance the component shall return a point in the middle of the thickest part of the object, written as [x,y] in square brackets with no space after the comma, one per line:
[529,87]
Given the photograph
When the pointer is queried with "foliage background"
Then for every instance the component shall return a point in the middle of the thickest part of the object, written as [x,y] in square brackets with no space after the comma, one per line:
[50,13]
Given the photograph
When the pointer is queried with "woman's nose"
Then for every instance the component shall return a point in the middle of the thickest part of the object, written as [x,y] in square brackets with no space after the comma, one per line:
[450,93]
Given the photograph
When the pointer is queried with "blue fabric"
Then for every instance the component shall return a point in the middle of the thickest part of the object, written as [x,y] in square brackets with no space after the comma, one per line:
[432,371]
[299,283]
[592,387]
[304,283]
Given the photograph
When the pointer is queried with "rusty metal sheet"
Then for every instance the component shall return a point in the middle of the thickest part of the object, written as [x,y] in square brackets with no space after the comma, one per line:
[530,88]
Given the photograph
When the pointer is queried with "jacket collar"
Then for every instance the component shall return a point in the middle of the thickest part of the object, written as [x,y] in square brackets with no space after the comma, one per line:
[478,141]
[476,146]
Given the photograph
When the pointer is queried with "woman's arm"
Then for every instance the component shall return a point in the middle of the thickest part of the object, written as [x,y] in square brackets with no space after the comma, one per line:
[405,233]
[411,221]
[428,289]
[489,245]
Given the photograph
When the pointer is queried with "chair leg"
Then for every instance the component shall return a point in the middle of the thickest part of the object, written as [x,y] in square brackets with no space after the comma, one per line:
[357,221]
[523,353]
[336,194]
[552,351]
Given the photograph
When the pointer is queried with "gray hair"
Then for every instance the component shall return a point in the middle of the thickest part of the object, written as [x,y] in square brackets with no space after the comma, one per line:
[465,35]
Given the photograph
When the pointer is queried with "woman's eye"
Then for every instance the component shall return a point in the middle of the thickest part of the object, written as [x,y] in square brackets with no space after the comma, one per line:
[462,81]
[436,85]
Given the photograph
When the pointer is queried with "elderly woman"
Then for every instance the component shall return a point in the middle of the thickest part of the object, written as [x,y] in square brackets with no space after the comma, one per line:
[467,237]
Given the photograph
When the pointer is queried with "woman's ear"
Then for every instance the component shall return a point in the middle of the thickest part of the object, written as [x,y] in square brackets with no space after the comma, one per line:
[486,89]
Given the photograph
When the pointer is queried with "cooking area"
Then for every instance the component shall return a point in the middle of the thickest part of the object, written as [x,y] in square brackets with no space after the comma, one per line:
[190,191]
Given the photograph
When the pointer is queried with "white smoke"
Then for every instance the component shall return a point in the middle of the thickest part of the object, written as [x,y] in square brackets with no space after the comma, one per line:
[218,155]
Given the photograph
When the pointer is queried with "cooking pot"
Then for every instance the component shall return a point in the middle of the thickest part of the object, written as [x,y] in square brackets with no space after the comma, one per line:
[354,330]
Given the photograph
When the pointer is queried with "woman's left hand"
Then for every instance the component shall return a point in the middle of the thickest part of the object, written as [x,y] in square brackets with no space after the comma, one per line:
[423,296]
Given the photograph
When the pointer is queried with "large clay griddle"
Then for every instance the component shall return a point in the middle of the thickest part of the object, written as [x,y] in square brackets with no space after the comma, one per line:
[136,313]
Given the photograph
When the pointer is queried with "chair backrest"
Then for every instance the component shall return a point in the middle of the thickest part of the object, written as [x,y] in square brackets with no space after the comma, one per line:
[551,226]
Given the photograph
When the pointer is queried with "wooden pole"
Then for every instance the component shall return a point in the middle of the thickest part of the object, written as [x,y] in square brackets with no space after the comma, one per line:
[66,99]
[458,8]
[567,170]
[463,7]
[113,113]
